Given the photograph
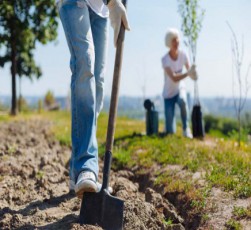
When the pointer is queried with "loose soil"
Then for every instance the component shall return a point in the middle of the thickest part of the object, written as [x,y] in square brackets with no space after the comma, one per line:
[34,191]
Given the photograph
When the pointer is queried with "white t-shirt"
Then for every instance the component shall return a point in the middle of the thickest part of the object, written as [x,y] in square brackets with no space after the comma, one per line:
[98,7]
[172,88]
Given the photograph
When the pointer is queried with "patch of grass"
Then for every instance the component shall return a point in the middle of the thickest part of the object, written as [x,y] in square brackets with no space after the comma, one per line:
[205,218]
[248,212]
[198,198]
[242,213]
[174,184]
[226,165]
[4,118]
[12,149]
[61,125]
[217,133]
[168,222]
[122,158]
[5,158]
[232,173]
[39,175]
[233,225]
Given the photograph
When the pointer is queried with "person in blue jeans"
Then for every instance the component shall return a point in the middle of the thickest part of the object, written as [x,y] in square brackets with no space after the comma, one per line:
[174,91]
[85,24]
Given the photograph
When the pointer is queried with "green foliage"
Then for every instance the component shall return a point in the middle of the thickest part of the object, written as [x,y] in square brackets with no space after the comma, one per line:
[192,16]
[4,118]
[232,172]
[40,106]
[24,23]
[223,164]
[246,122]
[233,225]
[49,98]
[40,175]
[205,217]
[241,212]
[227,127]
[226,166]
[243,135]
[11,149]
[22,104]
[168,222]
[62,126]
[211,122]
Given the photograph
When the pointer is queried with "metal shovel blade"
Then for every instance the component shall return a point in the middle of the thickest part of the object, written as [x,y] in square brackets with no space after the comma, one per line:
[103,210]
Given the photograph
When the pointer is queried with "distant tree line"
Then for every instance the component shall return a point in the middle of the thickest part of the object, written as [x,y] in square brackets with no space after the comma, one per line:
[228,127]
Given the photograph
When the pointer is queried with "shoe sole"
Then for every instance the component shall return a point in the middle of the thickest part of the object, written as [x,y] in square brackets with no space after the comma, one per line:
[87,186]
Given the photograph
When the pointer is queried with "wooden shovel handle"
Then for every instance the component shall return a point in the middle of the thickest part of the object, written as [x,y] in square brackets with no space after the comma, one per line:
[113,106]
[115,87]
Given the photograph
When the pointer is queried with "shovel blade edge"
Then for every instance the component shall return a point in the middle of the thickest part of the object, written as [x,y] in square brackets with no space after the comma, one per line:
[103,210]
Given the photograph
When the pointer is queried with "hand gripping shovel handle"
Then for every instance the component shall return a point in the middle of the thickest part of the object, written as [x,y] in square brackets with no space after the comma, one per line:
[113,104]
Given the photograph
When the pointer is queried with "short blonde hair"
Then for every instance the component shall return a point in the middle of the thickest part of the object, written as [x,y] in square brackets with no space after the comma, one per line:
[170,35]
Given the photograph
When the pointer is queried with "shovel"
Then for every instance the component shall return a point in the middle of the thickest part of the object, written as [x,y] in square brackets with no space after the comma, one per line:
[101,208]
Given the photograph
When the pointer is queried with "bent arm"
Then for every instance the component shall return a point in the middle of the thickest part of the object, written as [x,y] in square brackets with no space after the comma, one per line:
[173,76]
[187,66]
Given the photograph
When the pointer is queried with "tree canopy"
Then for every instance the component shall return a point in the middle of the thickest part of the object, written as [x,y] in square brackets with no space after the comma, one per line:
[24,23]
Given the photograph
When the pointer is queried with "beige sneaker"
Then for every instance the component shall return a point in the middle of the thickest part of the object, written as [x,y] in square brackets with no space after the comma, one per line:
[86,182]
[187,133]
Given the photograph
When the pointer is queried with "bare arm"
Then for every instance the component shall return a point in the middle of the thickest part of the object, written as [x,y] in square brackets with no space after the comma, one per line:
[175,77]
[187,66]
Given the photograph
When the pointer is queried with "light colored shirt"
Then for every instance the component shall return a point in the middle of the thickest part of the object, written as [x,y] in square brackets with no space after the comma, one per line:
[98,7]
[172,88]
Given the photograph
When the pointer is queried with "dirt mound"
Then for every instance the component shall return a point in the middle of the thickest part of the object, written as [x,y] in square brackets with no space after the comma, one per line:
[34,186]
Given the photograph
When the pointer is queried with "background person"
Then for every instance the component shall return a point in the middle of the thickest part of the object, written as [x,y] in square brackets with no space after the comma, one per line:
[174,90]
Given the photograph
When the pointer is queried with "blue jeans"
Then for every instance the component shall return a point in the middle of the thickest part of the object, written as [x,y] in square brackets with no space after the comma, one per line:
[87,38]
[181,100]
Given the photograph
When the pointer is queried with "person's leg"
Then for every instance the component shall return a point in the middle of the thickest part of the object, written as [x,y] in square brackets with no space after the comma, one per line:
[170,115]
[99,27]
[182,102]
[76,22]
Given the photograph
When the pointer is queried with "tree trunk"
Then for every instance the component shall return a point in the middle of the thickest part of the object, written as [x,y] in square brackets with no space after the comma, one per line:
[13,77]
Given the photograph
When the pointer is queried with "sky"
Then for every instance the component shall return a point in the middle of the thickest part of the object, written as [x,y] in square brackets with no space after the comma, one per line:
[144,48]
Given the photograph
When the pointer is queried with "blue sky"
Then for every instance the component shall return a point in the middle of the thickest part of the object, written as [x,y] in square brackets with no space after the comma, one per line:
[144,47]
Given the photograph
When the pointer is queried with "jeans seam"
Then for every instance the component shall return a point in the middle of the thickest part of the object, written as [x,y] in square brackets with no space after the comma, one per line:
[76,147]
[74,98]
